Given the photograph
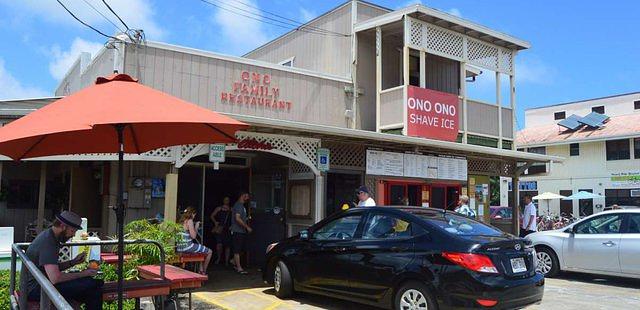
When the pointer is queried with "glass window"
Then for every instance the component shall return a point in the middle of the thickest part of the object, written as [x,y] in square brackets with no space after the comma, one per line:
[459,225]
[538,150]
[634,224]
[636,105]
[559,115]
[598,109]
[574,149]
[618,149]
[343,228]
[605,224]
[383,226]
[636,148]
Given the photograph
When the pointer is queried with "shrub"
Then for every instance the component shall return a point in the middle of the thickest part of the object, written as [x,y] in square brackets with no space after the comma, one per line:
[5,302]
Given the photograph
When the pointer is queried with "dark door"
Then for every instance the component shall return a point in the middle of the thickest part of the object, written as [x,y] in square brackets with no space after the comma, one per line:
[566,206]
[382,253]
[323,263]
[438,197]
[585,206]
[453,194]
[341,190]
[267,208]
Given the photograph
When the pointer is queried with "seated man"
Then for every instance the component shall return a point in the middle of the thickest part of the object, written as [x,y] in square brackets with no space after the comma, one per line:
[43,252]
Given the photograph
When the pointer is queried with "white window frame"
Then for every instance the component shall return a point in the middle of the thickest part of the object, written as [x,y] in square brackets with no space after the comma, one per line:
[290,59]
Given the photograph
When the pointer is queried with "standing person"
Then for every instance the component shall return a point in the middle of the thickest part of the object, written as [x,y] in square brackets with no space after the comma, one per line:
[529,222]
[186,245]
[239,230]
[43,252]
[463,207]
[221,218]
[364,197]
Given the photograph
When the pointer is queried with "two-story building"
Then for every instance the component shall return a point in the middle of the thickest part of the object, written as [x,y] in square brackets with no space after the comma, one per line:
[384,94]
[602,152]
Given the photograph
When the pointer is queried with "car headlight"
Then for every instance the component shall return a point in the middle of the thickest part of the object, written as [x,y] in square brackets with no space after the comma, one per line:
[271,246]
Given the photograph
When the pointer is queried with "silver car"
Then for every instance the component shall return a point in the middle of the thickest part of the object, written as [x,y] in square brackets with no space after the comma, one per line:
[607,243]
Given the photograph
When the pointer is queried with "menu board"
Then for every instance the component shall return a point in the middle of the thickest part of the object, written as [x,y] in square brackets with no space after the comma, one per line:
[416,166]
[385,163]
[452,168]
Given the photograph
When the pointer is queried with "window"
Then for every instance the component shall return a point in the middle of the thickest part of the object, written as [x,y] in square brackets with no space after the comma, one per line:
[636,105]
[383,226]
[574,149]
[634,224]
[343,228]
[459,225]
[287,62]
[618,149]
[605,224]
[598,109]
[621,197]
[537,150]
[559,115]
[636,148]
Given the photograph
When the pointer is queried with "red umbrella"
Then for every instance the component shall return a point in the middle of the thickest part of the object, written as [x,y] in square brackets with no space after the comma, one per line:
[117,114]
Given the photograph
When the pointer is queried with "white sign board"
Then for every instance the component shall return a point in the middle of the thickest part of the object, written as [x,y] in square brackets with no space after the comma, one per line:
[385,163]
[216,153]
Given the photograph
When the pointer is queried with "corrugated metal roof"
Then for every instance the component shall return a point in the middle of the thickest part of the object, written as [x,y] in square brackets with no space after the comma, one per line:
[623,126]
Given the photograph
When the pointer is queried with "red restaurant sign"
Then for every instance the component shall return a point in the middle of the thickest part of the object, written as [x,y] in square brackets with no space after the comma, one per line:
[256,90]
[432,114]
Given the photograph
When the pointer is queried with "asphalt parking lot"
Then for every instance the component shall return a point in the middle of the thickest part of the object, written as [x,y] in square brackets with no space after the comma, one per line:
[569,291]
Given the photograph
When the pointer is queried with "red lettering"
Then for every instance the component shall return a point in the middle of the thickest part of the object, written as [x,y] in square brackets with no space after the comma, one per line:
[245,89]
[276,92]
[256,77]
[236,86]
[254,144]
[267,79]
[224,97]
[255,90]
[253,100]
[245,75]
[288,105]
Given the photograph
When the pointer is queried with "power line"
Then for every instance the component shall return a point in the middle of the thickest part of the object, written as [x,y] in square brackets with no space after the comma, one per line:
[282,24]
[87,25]
[103,16]
[114,13]
[291,20]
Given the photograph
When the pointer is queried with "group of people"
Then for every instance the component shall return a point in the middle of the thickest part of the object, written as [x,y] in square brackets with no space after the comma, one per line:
[230,228]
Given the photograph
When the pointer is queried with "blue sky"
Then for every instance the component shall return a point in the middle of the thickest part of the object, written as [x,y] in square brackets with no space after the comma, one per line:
[580,49]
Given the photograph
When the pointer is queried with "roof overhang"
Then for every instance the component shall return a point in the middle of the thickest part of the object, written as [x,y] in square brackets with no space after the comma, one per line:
[448,21]
[353,135]
[580,140]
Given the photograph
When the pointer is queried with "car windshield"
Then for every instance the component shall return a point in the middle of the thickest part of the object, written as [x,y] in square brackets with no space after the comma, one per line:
[458,225]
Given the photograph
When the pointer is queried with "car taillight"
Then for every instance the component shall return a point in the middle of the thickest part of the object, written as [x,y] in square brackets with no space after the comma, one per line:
[475,262]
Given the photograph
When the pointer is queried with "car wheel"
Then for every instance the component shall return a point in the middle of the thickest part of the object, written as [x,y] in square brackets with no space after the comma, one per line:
[548,263]
[414,296]
[282,281]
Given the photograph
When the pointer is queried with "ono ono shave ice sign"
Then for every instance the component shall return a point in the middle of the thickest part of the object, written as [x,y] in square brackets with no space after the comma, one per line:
[432,114]
[256,90]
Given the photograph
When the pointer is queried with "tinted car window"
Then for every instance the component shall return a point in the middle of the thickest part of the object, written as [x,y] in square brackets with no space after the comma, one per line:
[458,225]
[343,228]
[605,224]
[383,226]
[634,224]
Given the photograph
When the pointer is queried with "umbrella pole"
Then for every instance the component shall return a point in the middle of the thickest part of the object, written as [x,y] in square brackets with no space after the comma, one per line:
[120,214]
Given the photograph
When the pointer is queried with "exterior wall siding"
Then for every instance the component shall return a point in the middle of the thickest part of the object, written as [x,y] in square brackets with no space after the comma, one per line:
[367,11]
[329,54]
[202,80]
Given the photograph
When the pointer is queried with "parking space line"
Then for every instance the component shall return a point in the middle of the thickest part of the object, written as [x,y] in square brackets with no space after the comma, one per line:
[213,301]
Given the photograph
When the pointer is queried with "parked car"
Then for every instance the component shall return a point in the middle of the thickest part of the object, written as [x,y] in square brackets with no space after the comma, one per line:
[501,213]
[606,243]
[406,258]
[616,207]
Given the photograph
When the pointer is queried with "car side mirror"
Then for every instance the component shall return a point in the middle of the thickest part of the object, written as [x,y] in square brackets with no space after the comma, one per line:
[304,234]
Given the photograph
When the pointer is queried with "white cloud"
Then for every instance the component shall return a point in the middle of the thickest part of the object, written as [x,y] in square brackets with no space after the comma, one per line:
[454,12]
[61,60]
[239,34]
[11,88]
[307,15]
[533,70]
[409,3]
[138,14]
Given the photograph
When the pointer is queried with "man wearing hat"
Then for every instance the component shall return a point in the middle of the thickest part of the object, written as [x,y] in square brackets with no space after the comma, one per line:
[364,197]
[43,252]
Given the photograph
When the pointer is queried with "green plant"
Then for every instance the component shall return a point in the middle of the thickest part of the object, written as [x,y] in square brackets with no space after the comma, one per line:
[4,288]
[165,233]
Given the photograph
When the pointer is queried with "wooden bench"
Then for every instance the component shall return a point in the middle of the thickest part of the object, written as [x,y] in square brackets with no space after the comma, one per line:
[184,258]
[132,289]
[181,280]
[112,258]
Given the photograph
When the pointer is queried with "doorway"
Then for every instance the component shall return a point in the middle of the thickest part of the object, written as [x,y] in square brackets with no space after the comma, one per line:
[403,193]
[444,196]
[341,189]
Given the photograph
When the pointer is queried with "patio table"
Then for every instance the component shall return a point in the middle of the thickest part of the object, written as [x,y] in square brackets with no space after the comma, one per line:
[181,280]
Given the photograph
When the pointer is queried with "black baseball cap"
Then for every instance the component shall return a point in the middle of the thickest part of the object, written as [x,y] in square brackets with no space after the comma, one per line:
[363,189]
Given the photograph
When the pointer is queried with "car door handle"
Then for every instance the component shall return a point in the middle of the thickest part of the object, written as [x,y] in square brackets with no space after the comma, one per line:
[399,249]
[609,243]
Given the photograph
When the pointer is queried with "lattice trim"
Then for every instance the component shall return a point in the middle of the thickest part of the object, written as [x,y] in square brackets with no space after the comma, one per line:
[482,54]
[441,41]
[347,155]
[490,167]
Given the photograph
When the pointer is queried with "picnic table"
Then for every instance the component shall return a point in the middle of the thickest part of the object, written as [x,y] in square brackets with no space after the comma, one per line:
[181,280]
[112,258]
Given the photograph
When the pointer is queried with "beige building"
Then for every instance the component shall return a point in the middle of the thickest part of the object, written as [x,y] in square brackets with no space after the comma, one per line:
[385,96]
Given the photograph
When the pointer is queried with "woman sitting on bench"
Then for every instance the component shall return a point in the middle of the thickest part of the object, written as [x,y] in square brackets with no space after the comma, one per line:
[186,245]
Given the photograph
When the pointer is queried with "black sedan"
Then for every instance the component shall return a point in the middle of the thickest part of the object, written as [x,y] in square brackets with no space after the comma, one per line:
[406,258]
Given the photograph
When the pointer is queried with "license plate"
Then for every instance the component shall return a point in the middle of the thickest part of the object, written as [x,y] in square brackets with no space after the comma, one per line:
[518,265]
